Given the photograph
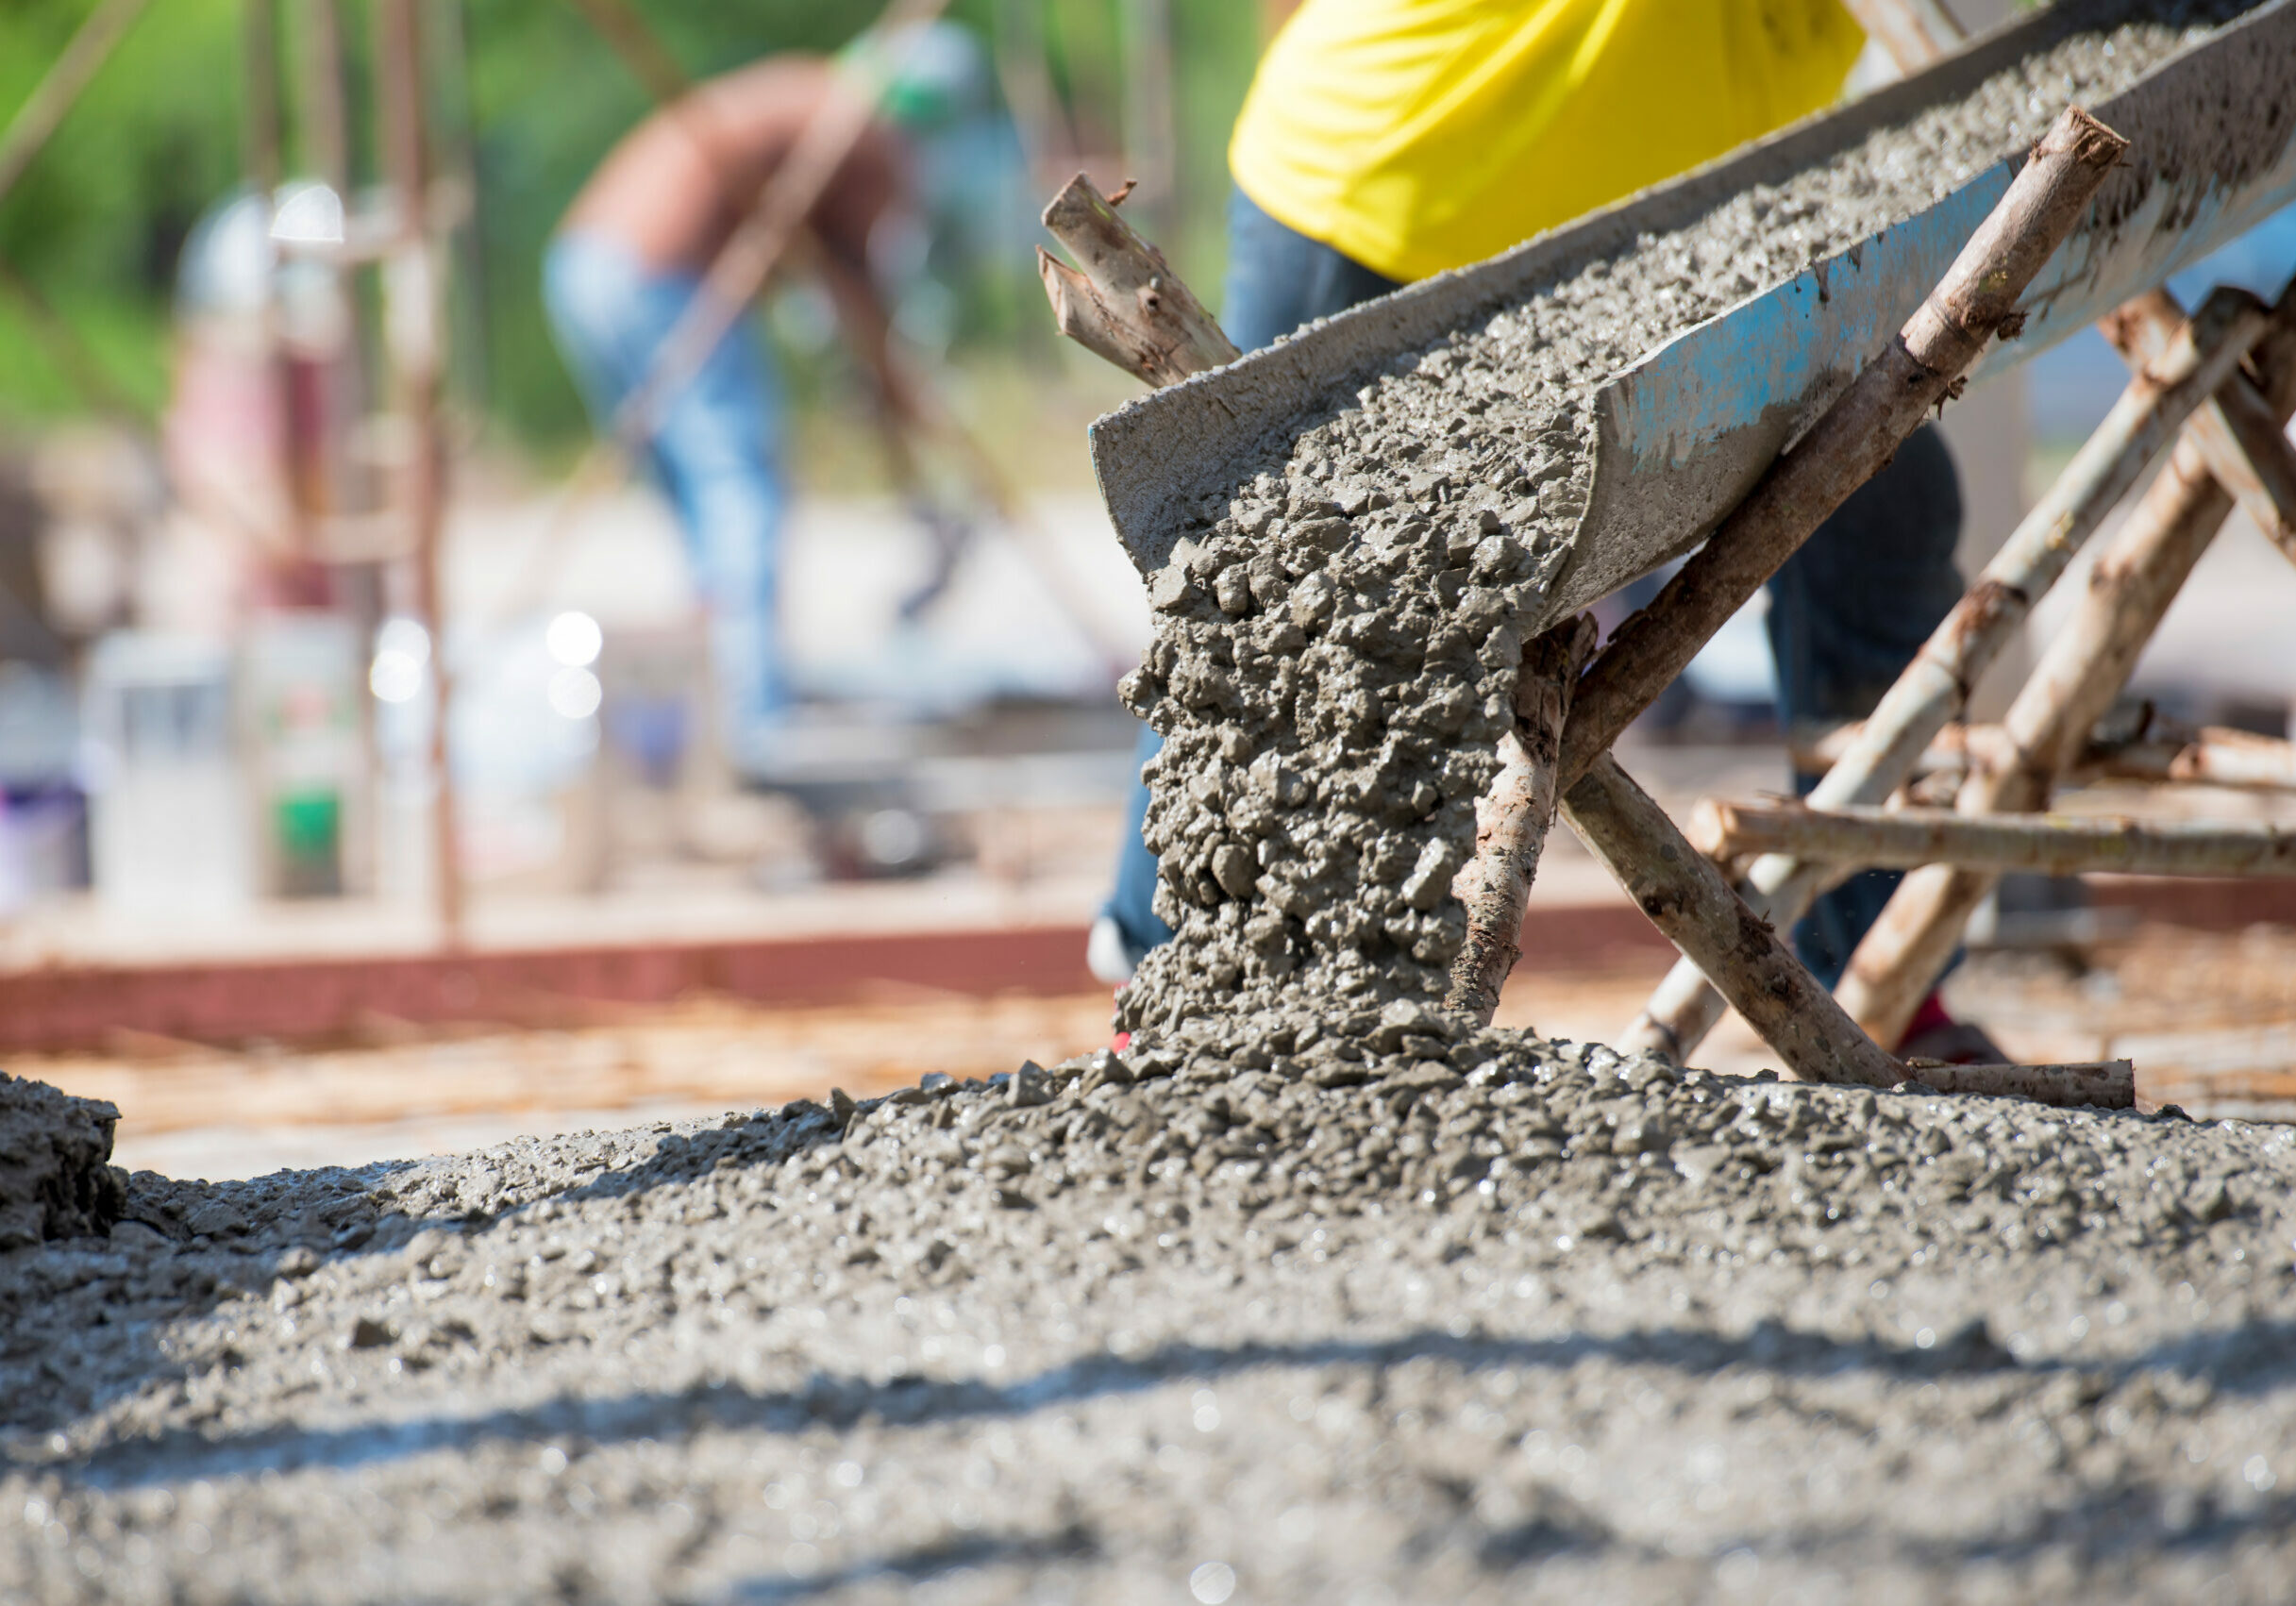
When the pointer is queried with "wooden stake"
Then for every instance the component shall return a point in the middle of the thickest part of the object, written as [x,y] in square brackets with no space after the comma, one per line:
[2203,356]
[1855,437]
[418,361]
[2161,751]
[1688,899]
[1126,304]
[1513,817]
[2106,1084]
[2236,432]
[2056,845]
[2078,678]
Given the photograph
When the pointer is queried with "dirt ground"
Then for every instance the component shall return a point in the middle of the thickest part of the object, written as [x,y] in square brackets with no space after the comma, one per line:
[2209,1018]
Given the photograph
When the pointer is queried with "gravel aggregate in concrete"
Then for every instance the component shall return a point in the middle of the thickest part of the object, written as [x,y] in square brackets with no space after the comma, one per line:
[1370,1309]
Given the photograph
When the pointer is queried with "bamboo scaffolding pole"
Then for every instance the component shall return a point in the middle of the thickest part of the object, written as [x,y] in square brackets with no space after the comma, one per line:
[1854,438]
[1513,817]
[2056,845]
[2076,682]
[1122,301]
[1933,689]
[1686,897]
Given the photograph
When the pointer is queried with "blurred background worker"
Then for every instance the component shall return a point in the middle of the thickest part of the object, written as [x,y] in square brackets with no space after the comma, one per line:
[627,264]
[1384,141]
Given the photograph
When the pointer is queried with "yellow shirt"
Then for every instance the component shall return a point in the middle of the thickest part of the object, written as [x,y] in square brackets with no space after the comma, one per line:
[1419,135]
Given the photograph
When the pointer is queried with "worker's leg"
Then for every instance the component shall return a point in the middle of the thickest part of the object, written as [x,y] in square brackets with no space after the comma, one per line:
[1278,280]
[718,450]
[1847,614]
[714,454]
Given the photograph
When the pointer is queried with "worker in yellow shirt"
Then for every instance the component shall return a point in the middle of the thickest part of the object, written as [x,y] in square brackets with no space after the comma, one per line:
[1383,141]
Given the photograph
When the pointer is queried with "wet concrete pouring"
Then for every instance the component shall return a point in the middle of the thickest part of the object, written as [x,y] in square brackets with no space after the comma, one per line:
[1313,1294]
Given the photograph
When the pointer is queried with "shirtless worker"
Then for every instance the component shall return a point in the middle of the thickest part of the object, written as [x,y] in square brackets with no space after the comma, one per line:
[628,258]
[1383,141]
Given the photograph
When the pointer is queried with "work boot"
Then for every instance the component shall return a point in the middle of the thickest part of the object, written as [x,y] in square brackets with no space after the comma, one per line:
[1934,1035]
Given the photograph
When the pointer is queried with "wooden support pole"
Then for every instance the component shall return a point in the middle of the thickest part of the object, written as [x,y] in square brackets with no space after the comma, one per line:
[1855,437]
[2055,844]
[2203,355]
[418,365]
[2106,1084]
[1512,819]
[2161,751]
[1691,901]
[2079,676]
[1122,301]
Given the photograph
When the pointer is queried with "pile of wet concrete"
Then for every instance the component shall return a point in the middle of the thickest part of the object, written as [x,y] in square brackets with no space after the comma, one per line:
[56,1180]
[1382,1310]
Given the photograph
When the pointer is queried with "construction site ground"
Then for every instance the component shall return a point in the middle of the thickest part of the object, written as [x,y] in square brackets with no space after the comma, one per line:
[2209,1017]
[1462,1320]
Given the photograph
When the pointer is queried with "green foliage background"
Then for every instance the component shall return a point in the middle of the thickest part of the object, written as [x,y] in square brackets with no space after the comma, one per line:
[95,226]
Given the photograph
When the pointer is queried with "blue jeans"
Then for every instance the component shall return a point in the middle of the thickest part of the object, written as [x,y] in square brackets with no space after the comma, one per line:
[716,454]
[1847,612]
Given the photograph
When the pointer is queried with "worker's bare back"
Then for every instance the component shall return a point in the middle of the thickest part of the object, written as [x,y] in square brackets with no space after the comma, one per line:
[678,184]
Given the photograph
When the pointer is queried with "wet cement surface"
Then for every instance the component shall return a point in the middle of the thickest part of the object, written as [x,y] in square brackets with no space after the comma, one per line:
[1398,1315]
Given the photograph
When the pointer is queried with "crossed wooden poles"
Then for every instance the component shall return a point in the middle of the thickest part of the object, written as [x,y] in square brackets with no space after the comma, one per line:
[2219,385]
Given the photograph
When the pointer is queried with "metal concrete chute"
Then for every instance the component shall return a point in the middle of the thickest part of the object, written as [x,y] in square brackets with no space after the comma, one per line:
[1685,430]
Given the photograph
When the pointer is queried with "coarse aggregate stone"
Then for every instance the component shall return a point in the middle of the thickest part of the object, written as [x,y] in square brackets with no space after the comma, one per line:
[1388,1311]
[56,1174]
[1338,640]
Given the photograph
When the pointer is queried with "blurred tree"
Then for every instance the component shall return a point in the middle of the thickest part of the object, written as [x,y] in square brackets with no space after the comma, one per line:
[97,222]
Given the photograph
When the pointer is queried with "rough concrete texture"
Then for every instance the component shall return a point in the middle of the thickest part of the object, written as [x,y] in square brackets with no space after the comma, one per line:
[1393,1316]
[1338,640]
[55,1176]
